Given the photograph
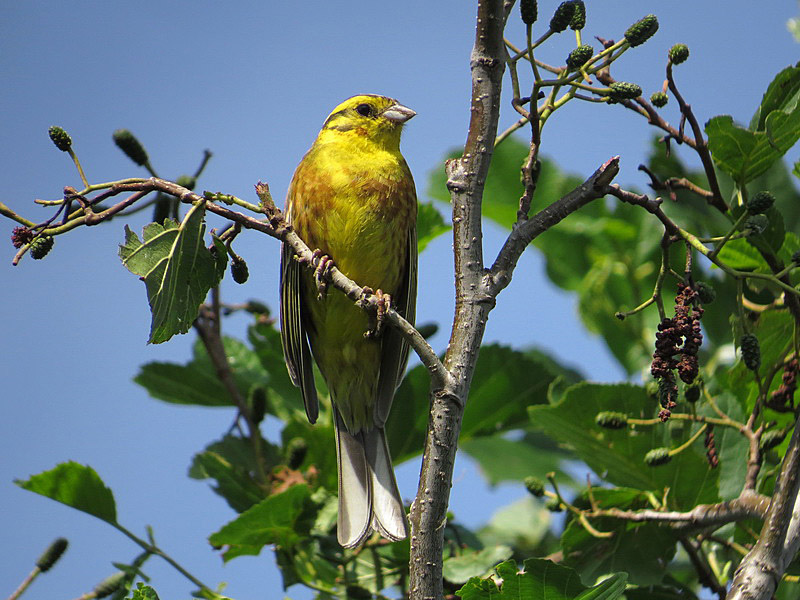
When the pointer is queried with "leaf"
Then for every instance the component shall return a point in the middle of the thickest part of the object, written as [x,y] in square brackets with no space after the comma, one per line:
[502,459]
[143,592]
[782,94]
[740,254]
[430,225]
[617,455]
[745,154]
[230,462]
[523,525]
[642,550]
[274,520]
[177,268]
[472,563]
[75,485]
[541,580]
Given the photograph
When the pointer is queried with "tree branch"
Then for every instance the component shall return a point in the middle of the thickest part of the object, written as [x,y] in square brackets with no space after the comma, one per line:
[465,181]
[761,570]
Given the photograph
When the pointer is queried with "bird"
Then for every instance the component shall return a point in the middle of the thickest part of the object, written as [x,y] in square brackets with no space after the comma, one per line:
[352,200]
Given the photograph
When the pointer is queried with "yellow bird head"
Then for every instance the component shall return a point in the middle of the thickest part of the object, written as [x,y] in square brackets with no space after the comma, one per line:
[376,118]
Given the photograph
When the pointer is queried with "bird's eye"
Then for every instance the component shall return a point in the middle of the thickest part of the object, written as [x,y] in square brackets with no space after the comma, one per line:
[365,110]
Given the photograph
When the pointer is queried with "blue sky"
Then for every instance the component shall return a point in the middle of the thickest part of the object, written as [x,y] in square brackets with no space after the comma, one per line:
[253,82]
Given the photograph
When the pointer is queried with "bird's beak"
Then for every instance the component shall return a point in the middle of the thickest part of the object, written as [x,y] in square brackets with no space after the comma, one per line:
[397,113]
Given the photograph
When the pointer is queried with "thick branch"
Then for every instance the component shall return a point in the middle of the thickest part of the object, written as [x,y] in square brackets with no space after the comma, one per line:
[761,570]
[465,181]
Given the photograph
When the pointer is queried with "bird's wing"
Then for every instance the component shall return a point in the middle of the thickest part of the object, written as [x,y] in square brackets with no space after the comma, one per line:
[293,332]
[394,352]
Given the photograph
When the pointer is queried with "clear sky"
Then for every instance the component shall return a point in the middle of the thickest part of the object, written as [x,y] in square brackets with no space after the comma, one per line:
[253,82]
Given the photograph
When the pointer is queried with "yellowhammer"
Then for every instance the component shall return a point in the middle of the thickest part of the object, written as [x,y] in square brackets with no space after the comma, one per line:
[352,197]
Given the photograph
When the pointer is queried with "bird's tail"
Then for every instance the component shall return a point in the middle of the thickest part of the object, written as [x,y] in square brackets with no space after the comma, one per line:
[368,494]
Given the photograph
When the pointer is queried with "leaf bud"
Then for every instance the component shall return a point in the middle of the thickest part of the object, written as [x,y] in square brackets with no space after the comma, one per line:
[186,181]
[258,406]
[239,270]
[678,54]
[554,505]
[611,420]
[751,351]
[657,457]
[659,99]
[50,556]
[110,584]
[705,293]
[563,16]
[756,223]
[760,203]
[529,11]
[132,148]
[641,31]
[534,485]
[578,57]
[771,439]
[41,246]
[60,138]
[296,451]
[578,20]
[692,392]
[623,90]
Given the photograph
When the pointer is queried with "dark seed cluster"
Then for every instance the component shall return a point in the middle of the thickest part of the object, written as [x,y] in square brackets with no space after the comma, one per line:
[782,399]
[711,448]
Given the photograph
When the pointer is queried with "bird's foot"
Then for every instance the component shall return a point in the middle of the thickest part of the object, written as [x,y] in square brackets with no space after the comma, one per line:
[322,271]
[384,304]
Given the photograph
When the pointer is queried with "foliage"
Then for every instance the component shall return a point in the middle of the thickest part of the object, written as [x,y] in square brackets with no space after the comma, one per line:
[705,410]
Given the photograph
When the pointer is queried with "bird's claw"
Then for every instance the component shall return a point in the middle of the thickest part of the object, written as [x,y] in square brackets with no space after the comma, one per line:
[322,271]
[384,304]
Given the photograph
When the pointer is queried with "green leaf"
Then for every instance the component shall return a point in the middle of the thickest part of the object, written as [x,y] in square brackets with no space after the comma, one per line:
[740,254]
[524,525]
[745,154]
[503,459]
[274,520]
[643,550]
[472,563]
[182,384]
[658,593]
[430,225]
[617,455]
[177,268]
[143,592]
[541,579]
[782,94]
[75,485]
[230,462]
[731,444]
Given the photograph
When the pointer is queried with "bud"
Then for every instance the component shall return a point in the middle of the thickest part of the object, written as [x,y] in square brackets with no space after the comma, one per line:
[563,16]
[535,486]
[771,439]
[622,90]
[659,99]
[692,393]
[554,505]
[186,181]
[110,584]
[258,405]
[796,257]
[239,270]
[529,11]
[760,203]
[60,138]
[678,54]
[296,451]
[41,246]
[578,20]
[132,148]
[657,457]
[21,236]
[705,293]
[756,223]
[578,57]
[50,556]
[611,420]
[641,31]
[751,351]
